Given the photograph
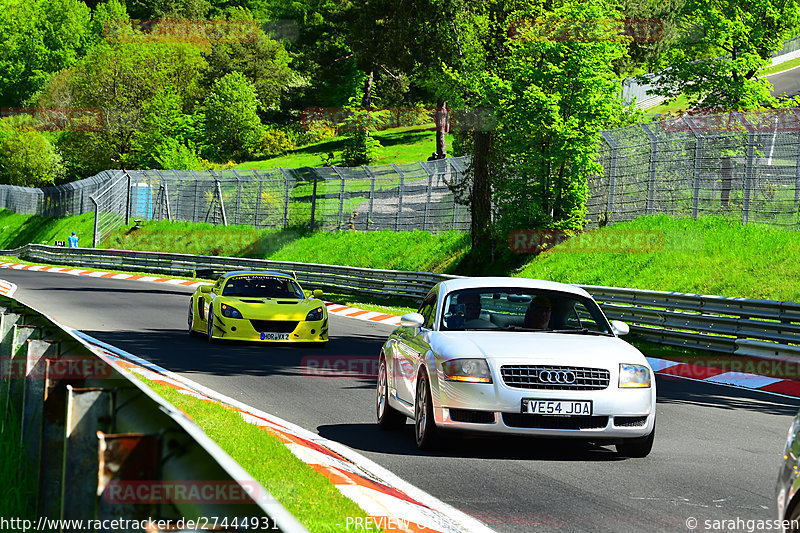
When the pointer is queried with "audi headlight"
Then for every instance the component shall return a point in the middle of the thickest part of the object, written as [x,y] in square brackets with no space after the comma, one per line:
[230,312]
[634,376]
[314,315]
[470,370]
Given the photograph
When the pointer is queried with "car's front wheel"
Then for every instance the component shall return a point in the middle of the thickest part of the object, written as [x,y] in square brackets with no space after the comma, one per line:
[637,447]
[191,317]
[210,331]
[388,417]
[424,423]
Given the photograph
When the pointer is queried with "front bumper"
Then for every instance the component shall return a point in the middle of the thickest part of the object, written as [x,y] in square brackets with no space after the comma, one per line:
[497,408]
[242,329]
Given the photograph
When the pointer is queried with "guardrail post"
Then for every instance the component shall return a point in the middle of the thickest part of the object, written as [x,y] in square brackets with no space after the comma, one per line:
[428,195]
[651,182]
[371,195]
[612,175]
[126,457]
[313,198]
[196,195]
[399,198]
[698,153]
[221,201]
[127,199]
[286,178]
[238,196]
[748,174]
[258,200]
[341,198]
[88,411]
[94,230]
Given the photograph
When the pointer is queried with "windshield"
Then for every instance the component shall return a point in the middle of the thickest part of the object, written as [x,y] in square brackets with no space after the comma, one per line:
[520,309]
[262,287]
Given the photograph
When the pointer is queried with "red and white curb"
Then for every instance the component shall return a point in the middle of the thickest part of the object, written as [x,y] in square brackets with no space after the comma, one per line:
[7,288]
[391,503]
[361,314]
[102,274]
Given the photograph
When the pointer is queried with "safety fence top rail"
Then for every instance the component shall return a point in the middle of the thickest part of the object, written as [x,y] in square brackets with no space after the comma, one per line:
[102,445]
[702,321]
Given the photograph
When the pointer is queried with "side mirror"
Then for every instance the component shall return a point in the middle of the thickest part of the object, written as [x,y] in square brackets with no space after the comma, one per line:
[412,320]
[620,328]
[205,289]
[317,293]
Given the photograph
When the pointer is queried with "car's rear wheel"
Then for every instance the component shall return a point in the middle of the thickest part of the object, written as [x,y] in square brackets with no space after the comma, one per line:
[637,447]
[210,330]
[388,417]
[425,430]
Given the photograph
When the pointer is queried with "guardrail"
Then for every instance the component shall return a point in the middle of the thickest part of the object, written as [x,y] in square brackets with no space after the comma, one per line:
[102,446]
[366,281]
[717,323]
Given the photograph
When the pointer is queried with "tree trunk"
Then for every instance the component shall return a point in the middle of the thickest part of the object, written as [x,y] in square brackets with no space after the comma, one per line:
[366,101]
[442,126]
[481,196]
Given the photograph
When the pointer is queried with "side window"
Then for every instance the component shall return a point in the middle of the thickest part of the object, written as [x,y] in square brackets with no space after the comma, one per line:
[428,310]
[586,319]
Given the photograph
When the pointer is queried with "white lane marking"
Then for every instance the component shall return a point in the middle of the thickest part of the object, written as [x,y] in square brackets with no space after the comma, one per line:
[661,364]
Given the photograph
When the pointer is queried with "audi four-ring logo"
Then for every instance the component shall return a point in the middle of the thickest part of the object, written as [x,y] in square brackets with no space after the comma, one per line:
[557,376]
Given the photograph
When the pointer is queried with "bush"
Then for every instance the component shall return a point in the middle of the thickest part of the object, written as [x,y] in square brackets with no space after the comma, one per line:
[360,148]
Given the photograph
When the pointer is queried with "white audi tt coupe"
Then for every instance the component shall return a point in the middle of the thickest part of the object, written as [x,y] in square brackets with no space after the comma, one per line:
[516,356]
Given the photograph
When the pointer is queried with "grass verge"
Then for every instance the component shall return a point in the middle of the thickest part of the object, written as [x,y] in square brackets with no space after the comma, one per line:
[303,491]
[399,146]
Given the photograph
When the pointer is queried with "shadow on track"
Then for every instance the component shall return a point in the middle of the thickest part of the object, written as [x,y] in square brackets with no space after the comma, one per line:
[369,438]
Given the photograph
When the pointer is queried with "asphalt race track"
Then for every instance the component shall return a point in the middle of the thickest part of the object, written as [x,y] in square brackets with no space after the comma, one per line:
[716,453]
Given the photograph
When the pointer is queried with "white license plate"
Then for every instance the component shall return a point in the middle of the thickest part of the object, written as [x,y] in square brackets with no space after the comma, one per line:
[557,407]
[274,336]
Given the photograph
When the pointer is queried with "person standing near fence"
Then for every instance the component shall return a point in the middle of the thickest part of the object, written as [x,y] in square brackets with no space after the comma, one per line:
[73,240]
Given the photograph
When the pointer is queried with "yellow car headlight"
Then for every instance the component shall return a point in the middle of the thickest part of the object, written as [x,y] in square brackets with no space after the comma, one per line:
[634,376]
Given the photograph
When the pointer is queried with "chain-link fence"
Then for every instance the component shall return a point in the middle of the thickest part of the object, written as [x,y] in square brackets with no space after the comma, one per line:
[741,165]
[396,197]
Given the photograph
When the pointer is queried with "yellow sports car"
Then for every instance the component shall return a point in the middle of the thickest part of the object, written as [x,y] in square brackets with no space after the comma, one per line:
[258,306]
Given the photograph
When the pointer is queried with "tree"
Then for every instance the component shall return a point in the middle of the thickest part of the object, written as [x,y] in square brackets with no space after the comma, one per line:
[119,80]
[233,129]
[28,159]
[37,39]
[264,62]
[721,49]
[167,136]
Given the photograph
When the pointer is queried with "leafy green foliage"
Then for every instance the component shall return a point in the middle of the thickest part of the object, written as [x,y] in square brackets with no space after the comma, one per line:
[233,128]
[361,148]
[264,62]
[742,36]
[37,39]
[167,137]
[27,158]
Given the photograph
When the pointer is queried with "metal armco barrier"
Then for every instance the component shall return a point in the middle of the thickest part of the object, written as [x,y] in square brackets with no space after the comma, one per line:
[717,323]
[90,429]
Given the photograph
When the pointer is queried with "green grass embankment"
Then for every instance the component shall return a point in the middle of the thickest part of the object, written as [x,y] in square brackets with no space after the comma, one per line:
[709,255]
[303,491]
[398,145]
